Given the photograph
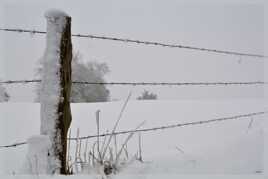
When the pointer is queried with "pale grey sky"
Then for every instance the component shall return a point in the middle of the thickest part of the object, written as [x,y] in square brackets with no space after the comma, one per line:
[225,25]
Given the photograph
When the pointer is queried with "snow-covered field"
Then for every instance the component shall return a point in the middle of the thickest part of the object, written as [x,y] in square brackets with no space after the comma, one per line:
[220,148]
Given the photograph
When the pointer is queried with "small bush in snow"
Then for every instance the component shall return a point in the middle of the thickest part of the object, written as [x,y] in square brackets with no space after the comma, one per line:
[147,95]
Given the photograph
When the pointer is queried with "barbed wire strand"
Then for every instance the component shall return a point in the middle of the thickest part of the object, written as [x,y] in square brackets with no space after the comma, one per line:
[175,125]
[146,83]
[144,42]
[19,81]
[14,145]
[173,84]
[242,116]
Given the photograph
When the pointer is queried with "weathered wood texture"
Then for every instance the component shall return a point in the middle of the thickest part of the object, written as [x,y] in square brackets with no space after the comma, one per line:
[64,110]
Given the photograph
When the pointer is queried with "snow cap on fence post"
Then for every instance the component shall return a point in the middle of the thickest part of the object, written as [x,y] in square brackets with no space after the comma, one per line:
[56,87]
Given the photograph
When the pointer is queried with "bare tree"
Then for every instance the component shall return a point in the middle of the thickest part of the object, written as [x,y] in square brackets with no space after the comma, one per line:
[90,72]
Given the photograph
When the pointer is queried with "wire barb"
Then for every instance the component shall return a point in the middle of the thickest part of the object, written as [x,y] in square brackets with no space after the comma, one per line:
[139,42]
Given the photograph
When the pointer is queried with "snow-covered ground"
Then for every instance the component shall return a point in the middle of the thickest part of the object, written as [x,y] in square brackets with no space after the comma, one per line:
[220,148]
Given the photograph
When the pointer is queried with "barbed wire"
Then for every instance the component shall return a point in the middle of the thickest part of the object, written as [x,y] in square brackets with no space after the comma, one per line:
[174,125]
[146,83]
[19,81]
[242,116]
[144,42]
[174,84]
[14,145]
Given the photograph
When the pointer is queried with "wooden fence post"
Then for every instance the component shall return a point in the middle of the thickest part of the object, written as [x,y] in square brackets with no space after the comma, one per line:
[56,88]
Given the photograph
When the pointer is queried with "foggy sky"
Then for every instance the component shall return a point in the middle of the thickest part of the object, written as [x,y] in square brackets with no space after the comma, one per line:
[222,25]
